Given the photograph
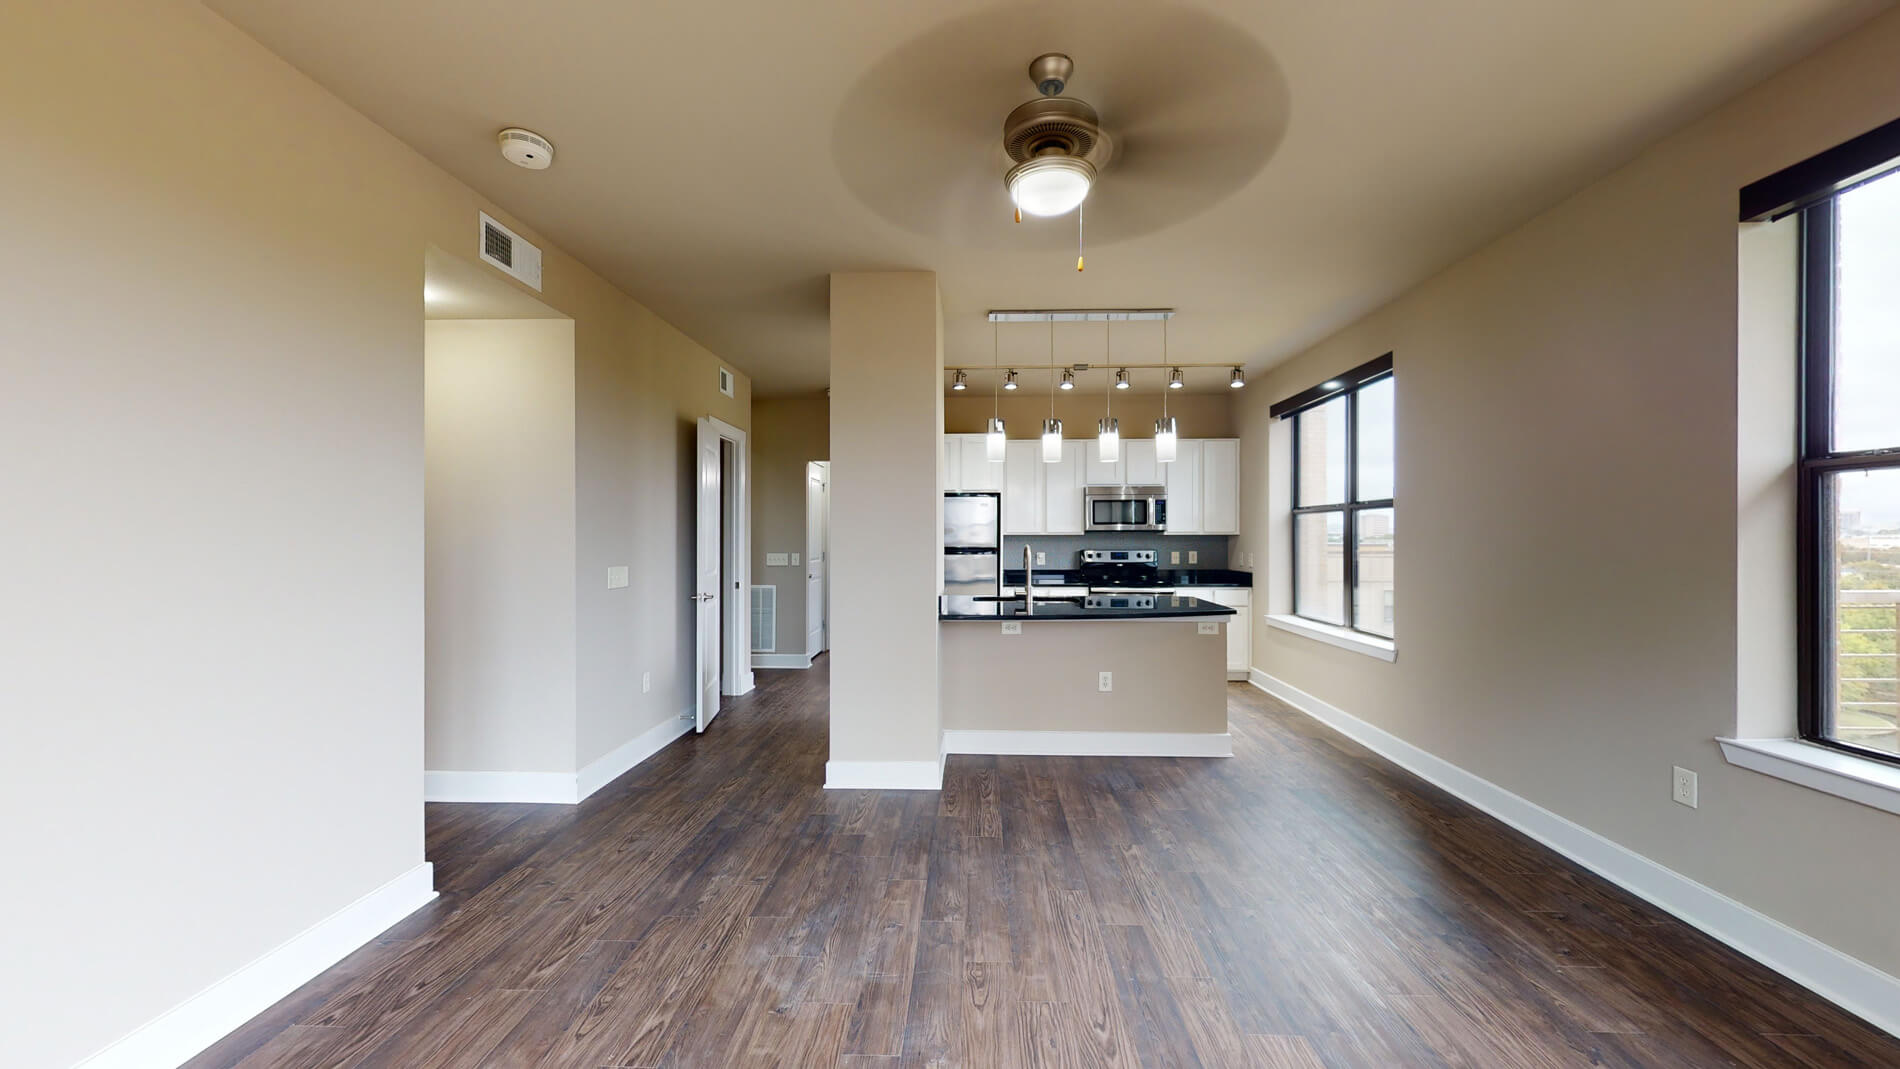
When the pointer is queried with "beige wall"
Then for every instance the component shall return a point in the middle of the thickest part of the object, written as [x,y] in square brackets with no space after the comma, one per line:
[886,515]
[211,643]
[1567,609]
[787,433]
[499,442]
[1197,415]
[1168,677]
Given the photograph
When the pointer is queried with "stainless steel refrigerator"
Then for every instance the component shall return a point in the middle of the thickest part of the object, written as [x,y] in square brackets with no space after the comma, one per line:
[972,544]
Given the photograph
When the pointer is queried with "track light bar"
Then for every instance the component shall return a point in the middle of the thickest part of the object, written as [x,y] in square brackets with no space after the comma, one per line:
[1079,315]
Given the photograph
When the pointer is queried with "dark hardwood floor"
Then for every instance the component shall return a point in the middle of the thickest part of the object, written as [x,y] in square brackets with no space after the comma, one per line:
[1303,904]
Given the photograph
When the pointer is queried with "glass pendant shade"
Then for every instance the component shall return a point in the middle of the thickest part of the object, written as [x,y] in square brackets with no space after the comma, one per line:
[1052,441]
[1108,440]
[1165,440]
[994,441]
[1051,185]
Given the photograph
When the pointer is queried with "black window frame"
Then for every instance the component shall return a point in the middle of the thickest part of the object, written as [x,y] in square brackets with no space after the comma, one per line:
[1812,188]
[1348,386]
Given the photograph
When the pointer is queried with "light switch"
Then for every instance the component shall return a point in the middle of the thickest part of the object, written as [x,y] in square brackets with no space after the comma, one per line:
[616,577]
[776,560]
[794,560]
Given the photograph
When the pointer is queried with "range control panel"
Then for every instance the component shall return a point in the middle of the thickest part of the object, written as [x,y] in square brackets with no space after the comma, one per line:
[1118,556]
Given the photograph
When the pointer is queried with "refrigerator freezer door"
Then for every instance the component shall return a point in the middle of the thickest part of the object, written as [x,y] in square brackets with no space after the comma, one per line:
[971,521]
[972,574]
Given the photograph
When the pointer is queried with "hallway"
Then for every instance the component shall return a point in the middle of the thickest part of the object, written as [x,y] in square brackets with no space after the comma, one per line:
[1303,904]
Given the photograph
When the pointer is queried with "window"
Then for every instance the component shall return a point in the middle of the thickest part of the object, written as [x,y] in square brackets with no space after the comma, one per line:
[1344,523]
[1850,467]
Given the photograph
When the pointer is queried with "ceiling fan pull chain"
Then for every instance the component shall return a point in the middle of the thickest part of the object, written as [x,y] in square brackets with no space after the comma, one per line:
[1078,237]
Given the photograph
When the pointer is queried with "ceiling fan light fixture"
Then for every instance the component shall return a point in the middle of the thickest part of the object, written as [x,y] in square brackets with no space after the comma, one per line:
[1050,185]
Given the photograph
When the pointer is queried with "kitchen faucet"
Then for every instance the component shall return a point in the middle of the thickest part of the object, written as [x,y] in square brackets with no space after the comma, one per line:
[1029,579]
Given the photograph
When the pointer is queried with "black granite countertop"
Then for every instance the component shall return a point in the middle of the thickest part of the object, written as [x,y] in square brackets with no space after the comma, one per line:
[1169,577]
[1107,607]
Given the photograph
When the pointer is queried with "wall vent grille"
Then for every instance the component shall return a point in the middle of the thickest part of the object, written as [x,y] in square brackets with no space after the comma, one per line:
[505,250]
[764,619]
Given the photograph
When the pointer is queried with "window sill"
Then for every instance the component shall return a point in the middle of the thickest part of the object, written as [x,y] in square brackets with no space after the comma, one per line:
[1857,779]
[1344,638]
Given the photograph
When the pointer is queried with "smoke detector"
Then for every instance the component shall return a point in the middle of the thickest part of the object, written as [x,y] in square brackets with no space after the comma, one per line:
[525,148]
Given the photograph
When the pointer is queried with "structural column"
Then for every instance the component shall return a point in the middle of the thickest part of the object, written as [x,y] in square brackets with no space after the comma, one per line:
[886,529]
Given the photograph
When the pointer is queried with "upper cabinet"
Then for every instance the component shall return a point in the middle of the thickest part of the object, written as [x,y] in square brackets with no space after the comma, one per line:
[1220,486]
[1203,482]
[967,466]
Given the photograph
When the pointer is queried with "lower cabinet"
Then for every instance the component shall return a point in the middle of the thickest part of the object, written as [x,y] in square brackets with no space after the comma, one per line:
[1239,625]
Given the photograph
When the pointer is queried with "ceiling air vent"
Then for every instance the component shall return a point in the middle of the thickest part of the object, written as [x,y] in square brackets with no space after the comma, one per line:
[504,249]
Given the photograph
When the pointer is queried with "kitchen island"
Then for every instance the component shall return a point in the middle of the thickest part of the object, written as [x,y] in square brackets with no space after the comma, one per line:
[1026,678]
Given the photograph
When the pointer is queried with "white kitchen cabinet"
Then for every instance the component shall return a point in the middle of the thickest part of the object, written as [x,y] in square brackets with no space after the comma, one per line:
[1062,488]
[977,472]
[1220,486]
[1022,487]
[1097,473]
[1183,479]
[1239,627]
[1139,467]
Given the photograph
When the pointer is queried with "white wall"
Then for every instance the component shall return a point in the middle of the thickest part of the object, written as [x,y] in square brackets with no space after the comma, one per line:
[499,435]
[1569,473]
[211,405]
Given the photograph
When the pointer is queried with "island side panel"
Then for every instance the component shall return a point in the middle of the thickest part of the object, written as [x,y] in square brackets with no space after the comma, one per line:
[1168,676]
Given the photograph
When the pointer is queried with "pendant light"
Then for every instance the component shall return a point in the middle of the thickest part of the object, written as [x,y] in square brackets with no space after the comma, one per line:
[1165,438]
[994,439]
[1052,427]
[1108,429]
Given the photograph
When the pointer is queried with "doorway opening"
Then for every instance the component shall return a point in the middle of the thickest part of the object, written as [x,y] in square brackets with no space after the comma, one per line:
[723,569]
[817,557]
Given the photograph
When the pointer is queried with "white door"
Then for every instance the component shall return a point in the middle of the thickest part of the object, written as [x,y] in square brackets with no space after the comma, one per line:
[1220,486]
[706,578]
[817,537]
[1184,488]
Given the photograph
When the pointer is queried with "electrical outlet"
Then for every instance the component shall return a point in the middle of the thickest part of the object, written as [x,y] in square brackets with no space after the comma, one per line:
[794,560]
[1210,627]
[1106,683]
[1249,560]
[1041,558]
[1684,788]
[616,577]
[646,682]
[1194,556]
[1012,627]
[1174,557]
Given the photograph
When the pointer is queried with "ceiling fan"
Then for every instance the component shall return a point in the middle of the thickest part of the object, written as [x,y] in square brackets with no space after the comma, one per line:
[1057,143]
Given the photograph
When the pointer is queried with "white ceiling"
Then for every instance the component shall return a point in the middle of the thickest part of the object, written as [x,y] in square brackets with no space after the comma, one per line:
[1287,165]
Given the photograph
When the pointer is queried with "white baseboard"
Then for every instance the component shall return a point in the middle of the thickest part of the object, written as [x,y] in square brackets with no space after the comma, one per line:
[551,788]
[183,1031]
[1090,743]
[781,660]
[884,775]
[1846,981]
[554,788]
[617,761]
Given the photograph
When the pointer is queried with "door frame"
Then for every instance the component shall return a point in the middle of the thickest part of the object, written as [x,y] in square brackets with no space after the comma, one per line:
[823,469]
[735,669]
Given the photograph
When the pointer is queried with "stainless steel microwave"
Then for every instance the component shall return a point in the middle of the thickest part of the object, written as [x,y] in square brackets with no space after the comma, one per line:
[1125,508]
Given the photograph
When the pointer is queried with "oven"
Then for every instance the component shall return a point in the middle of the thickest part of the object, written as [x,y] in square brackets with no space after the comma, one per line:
[1125,508]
